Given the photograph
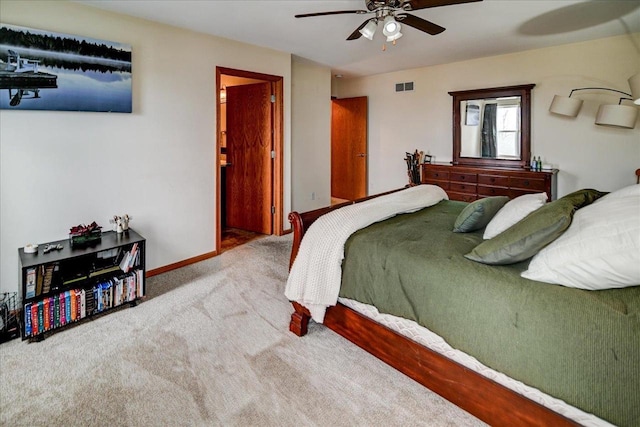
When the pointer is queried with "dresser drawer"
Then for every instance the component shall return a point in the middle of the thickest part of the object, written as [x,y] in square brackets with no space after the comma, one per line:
[497,180]
[527,183]
[463,177]
[431,174]
[462,197]
[463,188]
[442,184]
[486,191]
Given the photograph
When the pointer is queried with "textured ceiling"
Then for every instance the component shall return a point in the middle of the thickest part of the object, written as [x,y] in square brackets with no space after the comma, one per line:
[473,30]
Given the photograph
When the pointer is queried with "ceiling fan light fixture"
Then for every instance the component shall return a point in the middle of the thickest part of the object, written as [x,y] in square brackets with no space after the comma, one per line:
[390,26]
[369,30]
[394,37]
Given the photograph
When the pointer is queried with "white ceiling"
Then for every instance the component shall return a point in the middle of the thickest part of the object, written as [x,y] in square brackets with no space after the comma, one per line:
[473,30]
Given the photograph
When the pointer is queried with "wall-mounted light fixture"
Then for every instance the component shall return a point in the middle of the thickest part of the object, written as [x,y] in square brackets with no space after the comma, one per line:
[634,84]
[617,115]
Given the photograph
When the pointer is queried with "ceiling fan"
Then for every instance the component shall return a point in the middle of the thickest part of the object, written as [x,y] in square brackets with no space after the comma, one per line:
[391,13]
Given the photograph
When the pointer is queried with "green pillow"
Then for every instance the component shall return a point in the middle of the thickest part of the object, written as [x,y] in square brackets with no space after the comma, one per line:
[535,231]
[478,214]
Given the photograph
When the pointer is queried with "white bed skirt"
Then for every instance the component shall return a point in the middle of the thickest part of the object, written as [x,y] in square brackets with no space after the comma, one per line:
[425,337]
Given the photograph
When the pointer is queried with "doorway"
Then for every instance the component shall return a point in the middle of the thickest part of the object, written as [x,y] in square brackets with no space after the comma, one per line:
[348,149]
[249,156]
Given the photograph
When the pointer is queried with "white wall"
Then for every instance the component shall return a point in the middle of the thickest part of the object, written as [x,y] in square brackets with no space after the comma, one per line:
[311,135]
[59,169]
[586,154]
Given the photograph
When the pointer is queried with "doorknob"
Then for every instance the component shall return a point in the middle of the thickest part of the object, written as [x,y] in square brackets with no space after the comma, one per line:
[361,155]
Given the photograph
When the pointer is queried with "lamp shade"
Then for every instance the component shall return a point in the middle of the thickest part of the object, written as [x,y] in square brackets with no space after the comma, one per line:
[623,116]
[634,83]
[369,30]
[565,106]
[390,26]
[395,37]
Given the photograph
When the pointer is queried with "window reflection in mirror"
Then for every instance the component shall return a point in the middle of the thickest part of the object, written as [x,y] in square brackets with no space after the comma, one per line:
[501,118]
[490,128]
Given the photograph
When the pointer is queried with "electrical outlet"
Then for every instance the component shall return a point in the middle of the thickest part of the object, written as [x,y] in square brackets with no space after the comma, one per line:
[313,195]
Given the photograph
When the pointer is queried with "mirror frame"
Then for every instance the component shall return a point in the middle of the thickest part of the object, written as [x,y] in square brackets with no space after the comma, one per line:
[524,91]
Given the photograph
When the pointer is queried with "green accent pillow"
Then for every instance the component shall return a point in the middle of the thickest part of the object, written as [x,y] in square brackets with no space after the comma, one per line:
[478,214]
[535,231]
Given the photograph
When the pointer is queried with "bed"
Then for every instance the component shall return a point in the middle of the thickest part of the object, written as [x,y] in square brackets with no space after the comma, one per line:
[566,356]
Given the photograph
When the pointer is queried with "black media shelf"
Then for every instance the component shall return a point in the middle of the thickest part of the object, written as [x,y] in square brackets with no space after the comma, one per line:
[67,286]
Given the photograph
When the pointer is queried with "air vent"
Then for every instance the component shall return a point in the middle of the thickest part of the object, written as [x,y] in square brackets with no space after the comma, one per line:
[403,87]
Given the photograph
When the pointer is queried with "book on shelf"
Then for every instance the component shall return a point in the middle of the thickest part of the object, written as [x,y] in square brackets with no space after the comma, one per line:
[67,306]
[89,302]
[34,318]
[130,258]
[30,291]
[48,277]
[104,270]
[56,314]
[40,316]
[140,283]
[39,279]
[63,310]
[45,312]
[27,319]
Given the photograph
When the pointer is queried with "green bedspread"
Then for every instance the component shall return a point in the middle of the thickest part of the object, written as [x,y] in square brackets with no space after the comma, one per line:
[580,346]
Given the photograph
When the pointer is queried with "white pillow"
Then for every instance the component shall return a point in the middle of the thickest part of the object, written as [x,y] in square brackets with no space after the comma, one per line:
[599,250]
[513,212]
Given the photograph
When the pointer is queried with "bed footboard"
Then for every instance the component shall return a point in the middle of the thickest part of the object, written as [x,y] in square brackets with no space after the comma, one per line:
[299,320]
[480,396]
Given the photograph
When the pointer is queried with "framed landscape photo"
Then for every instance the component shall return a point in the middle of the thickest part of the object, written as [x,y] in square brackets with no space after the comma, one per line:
[43,70]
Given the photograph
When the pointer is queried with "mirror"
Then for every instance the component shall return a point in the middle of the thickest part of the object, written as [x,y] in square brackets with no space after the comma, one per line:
[492,127]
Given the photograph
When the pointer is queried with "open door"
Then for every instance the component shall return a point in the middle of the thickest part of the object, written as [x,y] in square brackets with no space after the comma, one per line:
[349,148]
[249,163]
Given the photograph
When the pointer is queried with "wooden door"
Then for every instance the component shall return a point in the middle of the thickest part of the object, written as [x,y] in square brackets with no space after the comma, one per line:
[349,148]
[248,185]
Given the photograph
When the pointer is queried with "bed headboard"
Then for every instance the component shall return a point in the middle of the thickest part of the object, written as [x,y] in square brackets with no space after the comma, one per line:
[300,222]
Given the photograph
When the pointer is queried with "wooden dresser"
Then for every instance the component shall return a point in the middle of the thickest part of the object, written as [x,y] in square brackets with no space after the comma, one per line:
[469,183]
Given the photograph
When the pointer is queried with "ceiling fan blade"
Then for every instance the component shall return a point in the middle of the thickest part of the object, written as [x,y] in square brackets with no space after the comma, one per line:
[335,12]
[420,24]
[357,34]
[423,4]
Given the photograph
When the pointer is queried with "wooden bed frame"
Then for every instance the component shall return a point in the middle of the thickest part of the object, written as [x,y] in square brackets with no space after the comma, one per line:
[478,395]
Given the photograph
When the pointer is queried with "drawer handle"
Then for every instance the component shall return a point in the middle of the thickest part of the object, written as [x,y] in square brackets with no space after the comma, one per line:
[526,183]
[462,177]
[436,175]
[492,180]
[463,187]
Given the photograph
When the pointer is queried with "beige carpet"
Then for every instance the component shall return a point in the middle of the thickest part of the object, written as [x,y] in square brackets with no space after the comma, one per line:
[210,346]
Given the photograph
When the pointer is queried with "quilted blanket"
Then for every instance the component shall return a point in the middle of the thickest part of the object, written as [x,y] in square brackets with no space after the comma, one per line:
[316,274]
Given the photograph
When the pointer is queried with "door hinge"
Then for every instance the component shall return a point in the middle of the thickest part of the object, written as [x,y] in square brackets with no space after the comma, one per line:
[273,154]
[273,210]
[273,98]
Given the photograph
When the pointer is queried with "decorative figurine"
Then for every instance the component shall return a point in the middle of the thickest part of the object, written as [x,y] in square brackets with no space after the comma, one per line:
[48,248]
[120,223]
